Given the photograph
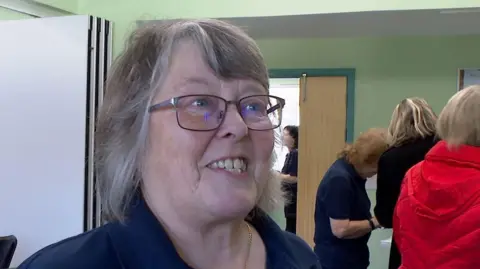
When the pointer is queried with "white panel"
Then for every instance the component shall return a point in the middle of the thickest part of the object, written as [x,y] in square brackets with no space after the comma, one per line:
[287,88]
[43,64]
[371,183]
[471,76]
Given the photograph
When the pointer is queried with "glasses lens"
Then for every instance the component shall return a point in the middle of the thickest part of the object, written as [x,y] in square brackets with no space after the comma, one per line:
[200,112]
[261,112]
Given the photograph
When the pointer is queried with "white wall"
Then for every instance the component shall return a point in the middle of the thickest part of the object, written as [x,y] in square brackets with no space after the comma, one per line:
[287,88]
[43,64]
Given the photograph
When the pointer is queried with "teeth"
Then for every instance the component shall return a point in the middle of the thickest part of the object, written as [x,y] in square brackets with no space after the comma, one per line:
[229,164]
[236,165]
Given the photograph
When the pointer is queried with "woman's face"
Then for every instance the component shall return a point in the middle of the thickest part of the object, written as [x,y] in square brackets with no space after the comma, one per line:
[288,140]
[184,169]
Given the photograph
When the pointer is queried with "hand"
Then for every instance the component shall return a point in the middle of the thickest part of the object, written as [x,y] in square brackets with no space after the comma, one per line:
[376,223]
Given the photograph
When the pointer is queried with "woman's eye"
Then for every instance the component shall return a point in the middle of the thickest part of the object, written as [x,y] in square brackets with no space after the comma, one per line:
[255,107]
[252,107]
[200,103]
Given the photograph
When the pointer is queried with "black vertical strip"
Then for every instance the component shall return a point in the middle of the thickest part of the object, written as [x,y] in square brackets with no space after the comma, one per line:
[107,51]
[87,125]
[97,86]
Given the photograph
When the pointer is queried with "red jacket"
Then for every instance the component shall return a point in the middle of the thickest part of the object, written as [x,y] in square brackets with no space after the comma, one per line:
[437,217]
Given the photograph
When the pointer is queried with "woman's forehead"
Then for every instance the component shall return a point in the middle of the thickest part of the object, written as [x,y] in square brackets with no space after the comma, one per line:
[188,68]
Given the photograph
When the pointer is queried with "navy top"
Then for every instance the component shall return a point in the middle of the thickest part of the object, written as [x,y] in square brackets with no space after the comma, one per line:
[341,195]
[142,243]
[290,167]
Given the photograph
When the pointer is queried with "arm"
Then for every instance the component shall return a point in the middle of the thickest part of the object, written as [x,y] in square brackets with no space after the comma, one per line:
[337,198]
[288,178]
[388,189]
[347,229]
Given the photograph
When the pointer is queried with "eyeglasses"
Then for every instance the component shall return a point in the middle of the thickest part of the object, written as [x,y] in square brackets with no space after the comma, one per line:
[204,112]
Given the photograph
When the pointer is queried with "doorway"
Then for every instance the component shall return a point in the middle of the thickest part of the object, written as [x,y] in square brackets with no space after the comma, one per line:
[286,88]
[326,108]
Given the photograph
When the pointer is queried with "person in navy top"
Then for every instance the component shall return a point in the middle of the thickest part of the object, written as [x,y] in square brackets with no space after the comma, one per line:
[343,222]
[289,176]
[183,156]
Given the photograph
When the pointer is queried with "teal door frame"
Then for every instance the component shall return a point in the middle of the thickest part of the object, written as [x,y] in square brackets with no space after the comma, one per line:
[349,73]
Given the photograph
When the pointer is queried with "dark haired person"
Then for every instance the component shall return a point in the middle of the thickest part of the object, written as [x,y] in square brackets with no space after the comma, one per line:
[289,175]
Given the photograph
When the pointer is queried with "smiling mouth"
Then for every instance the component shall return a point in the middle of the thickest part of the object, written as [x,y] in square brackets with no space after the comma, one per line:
[233,165]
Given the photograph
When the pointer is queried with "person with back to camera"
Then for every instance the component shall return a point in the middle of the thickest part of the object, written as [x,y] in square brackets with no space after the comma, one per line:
[437,217]
[411,135]
[289,176]
[343,222]
[184,156]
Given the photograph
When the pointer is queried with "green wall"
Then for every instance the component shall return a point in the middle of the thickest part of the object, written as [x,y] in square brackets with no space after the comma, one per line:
[7,14]
[387,69]
[68,5]
[129,9]
[124,13]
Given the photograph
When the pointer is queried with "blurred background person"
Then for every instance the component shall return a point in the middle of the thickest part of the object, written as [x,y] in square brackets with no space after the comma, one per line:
[437,217]
[289,176]
[343,222]
[411,135]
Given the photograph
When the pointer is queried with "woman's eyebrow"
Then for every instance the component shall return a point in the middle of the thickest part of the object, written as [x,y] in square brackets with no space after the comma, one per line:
[253,90]
[193,80]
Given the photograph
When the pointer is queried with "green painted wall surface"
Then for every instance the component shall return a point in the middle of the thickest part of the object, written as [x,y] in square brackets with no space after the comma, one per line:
[387,69]
[124,13]
[7,14]
[232,8]
[68,5]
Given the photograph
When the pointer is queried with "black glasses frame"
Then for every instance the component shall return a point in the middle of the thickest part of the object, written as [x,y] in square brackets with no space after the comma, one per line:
[173,102]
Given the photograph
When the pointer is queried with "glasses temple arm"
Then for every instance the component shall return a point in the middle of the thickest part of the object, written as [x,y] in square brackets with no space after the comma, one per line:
[273,108]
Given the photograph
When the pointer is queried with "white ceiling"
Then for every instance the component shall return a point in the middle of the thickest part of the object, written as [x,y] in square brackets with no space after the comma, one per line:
[363,24]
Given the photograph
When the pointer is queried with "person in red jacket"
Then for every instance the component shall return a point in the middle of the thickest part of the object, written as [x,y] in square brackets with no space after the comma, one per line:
[437,217]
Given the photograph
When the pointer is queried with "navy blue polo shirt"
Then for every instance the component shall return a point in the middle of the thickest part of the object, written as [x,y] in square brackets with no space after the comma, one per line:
[341,195]
[142,243]
[290,167]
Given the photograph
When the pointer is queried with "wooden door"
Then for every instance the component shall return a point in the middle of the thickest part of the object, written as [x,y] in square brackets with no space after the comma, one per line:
[322,135]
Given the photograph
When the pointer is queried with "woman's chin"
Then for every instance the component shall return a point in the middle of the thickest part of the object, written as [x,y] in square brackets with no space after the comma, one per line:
[234,206]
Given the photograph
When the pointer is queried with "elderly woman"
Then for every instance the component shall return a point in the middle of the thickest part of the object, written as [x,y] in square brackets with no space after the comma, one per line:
[343,222]
[437,217]
[185,142]
[411,135]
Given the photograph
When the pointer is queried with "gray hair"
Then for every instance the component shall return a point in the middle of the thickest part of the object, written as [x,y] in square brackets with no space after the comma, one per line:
[413,118]
[459,121]
[122,128]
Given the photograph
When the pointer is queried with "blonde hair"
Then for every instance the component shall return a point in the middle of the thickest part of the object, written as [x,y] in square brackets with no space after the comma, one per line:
[122,127]
[367,148]
[459,121]
[413,118]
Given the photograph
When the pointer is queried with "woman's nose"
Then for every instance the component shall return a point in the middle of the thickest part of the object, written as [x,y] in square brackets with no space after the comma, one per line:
[233,123]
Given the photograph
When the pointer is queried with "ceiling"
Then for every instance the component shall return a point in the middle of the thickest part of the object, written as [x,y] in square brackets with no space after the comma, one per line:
[363,24]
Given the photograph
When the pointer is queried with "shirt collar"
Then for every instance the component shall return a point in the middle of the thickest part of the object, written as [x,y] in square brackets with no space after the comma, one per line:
[142,242]
[352,171]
